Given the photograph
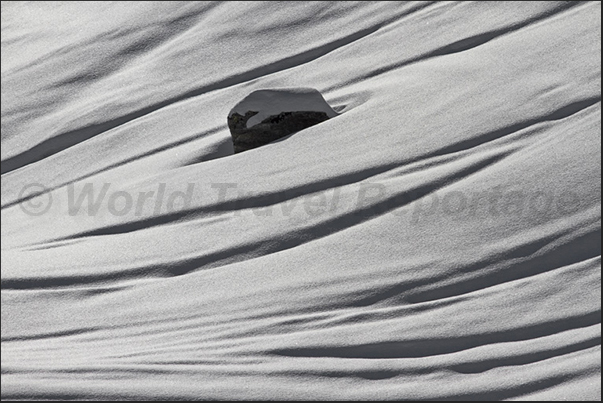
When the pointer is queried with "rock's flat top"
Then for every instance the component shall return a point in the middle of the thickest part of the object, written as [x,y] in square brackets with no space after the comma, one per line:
[272,102]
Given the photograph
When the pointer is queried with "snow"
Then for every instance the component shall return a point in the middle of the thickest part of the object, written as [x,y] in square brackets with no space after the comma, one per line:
[272,102]
[440,238]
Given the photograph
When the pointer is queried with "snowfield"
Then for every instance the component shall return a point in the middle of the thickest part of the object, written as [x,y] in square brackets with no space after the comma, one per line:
[439,238]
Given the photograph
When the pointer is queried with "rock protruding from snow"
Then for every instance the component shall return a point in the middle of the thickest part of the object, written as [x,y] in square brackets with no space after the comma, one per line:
[267,115]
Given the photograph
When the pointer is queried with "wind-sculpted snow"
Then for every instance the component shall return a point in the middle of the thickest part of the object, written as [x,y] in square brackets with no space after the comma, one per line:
[438,238]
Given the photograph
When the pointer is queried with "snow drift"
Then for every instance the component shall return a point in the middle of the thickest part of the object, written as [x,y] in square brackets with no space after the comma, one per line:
[440,238]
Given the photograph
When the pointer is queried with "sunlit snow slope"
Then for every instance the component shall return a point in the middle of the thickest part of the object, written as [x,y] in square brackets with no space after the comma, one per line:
[440,238]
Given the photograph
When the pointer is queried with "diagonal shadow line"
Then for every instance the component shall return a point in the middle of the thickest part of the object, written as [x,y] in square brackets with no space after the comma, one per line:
[68,139]
[289,194]
[117,164]
[439,346]
[461,45]
[258,248]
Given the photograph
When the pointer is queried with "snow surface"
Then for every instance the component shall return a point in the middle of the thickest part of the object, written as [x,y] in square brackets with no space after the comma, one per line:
[440,238]
[271,102]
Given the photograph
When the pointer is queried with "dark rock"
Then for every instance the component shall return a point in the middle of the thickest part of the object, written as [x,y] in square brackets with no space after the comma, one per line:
[270,129]
[267,115]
